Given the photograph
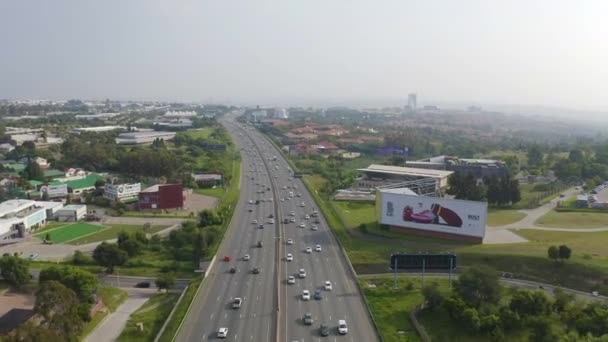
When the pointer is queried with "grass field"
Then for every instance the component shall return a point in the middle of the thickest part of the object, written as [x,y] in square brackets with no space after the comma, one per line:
[70,232]
[355,213]
[501,217]
[152,315]
[573,219]
[217,192]
[199,133]
[391,307]
[111,232]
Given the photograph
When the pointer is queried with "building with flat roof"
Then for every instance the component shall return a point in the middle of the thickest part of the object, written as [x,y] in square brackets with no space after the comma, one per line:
[162,196]
[99,129]
[480,168]
[133,138]
[376,175]
[71,213]
[18,217]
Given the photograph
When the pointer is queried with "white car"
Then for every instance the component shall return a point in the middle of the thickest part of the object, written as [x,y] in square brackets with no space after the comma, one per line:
[342,328]
[306,217]
[237,302]
[289,257]
[282,199]
[302,273]
[303,204]
[314,227]
[271,221]
[328,286]
[302,225]
[255,221]
[305,295]
[291,280]
[222,333]
[290,241]
[318,248]
[292,220]
[308,250]
[292,213]
[246,257]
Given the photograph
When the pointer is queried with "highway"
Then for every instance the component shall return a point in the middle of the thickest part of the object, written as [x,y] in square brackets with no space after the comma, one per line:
[272,310]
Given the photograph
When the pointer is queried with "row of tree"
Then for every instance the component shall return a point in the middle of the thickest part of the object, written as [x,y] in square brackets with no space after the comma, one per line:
[480,306]
[497,191]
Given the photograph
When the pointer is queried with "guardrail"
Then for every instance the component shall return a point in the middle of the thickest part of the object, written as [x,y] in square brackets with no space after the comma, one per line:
[179,300]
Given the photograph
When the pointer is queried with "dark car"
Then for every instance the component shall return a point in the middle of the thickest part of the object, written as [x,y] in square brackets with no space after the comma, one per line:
[143,284]
[255,270]
[308,319]
[318,294]
[271,216]
[232,269]
[324,330]
[260,244]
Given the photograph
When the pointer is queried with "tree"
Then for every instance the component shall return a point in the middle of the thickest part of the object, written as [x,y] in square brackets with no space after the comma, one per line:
[165,281]
[80,258]
[564,252]
[30,331]
[82,282]
[14,270]
[109,255]
[553,253]
[33,171]
[535,156]
[59,308]
[478,285]
[209,217]
[432,296]
[530,303]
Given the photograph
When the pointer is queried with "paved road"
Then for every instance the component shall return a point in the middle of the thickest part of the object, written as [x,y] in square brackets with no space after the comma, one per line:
[110,328]
[256,319]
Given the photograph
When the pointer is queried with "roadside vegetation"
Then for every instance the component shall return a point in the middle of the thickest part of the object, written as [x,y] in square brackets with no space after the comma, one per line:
[181,311]
[151,316]
[574,219]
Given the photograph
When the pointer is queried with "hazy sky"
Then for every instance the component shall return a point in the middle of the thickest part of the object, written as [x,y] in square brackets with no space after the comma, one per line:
[510,52]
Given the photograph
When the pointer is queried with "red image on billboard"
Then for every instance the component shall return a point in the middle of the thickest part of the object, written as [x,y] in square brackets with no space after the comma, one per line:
[437,214]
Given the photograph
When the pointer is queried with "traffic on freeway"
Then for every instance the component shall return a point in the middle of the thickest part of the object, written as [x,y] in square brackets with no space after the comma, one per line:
[279,274]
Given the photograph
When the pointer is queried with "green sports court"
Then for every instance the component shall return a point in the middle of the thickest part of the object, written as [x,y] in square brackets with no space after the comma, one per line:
[70,232]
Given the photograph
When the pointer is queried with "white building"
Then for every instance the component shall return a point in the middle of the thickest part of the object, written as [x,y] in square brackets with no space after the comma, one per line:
[18,217]
[71,213]
[96,116]
[99,129]
[121,192]
[132,138]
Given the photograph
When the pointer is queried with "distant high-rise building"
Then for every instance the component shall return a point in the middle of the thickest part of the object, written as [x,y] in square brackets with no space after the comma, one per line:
[411,101]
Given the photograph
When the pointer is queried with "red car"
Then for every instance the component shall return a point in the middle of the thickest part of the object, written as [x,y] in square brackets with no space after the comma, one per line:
[227,258]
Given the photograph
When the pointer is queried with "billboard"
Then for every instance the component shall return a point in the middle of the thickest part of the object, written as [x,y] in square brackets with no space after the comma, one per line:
[118,191]
[54,191]
[434,214]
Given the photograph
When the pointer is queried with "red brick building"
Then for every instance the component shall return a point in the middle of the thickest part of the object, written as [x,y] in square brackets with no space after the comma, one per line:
[162,196]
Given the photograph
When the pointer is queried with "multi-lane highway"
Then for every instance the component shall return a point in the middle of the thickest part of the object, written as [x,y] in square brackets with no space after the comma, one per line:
[272,309]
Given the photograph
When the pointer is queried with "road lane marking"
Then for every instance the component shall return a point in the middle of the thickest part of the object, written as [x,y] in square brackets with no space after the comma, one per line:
[211,317]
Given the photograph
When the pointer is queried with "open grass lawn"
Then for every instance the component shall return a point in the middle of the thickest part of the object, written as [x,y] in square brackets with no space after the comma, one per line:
[355,213]
[111,232]
[573,219]
[112,298]
[70,232]
[153,214]
[218,192]
[391,307]
[203,133]
[152,315]
[501,217]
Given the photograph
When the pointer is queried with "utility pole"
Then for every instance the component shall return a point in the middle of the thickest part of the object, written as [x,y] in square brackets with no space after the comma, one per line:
[450,274]
[423,267]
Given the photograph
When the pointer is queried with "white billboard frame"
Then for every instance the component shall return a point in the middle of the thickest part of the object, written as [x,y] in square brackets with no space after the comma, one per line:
[435,214]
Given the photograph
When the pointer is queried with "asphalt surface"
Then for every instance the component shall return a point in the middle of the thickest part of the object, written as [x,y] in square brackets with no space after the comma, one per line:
[272,310]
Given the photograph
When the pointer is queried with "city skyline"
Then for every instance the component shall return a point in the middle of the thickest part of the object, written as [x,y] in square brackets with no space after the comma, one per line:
[542,53]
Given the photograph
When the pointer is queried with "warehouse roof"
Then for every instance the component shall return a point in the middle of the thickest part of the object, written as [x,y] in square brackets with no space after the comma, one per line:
[406,171]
